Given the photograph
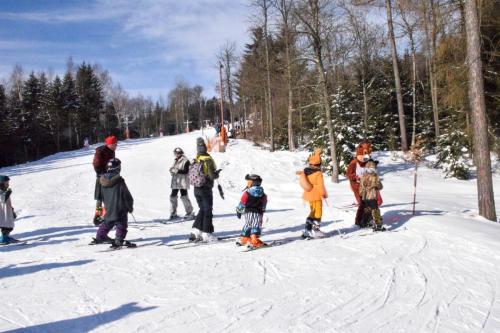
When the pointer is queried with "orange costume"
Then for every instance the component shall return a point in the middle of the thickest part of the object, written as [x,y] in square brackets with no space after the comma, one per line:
[355,171]
[311,180]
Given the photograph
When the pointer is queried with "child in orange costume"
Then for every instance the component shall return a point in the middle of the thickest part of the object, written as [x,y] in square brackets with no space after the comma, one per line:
[311,179]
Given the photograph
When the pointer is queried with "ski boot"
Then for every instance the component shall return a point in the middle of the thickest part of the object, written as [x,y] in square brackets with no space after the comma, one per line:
[243,241]
[195,235]
[189,216]
[173,216]
[107,240]
[208,237]
[4,239]
[255,242]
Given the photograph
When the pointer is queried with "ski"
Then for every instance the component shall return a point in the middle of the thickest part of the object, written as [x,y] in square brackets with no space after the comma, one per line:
[16,242]
[188,244]
[268,245]
[129,246]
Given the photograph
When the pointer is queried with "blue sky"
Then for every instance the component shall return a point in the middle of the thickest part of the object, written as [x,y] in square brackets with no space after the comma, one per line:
[146,45]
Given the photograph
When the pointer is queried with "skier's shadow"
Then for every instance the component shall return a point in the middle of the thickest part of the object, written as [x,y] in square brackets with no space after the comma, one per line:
[397,218]
[85,323]
[16,270]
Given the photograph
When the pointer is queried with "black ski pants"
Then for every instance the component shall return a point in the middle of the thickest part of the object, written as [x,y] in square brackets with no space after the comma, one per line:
[205,199]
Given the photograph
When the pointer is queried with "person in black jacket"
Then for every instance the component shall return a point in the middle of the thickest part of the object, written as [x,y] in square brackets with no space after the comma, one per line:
[101,158]
[118,202]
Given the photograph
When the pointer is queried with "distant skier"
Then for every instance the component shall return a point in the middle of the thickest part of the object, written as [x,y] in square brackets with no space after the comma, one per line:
[180,182]
[253,205]
[202,174]
[101,158]
[86,143]
[7,214]
[118,202]
[369,186]
[311,180]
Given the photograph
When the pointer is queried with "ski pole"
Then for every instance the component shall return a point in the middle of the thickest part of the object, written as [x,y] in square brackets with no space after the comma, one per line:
[135,221]
[331,213]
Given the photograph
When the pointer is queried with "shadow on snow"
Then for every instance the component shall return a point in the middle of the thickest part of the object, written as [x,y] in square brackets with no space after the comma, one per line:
[13,270]
[86,323]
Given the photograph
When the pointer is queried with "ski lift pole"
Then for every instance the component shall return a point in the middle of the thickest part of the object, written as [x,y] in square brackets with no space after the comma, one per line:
[415,187]
[331,214]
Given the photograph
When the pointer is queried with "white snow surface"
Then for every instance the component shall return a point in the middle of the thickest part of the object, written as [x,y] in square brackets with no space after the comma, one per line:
[439,272]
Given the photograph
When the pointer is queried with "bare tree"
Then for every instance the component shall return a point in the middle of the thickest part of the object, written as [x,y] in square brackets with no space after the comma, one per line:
[486,199]
[285,8]
[227,57]
[312,16]
[119,99]
[264,6]
[397,77]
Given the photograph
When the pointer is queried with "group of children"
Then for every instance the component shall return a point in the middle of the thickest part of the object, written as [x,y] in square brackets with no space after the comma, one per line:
[252,205]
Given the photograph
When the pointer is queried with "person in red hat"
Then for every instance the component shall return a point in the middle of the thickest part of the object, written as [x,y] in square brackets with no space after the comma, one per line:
[101,158]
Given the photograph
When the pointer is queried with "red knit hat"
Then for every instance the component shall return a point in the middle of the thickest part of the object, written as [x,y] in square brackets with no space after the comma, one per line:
[110,140]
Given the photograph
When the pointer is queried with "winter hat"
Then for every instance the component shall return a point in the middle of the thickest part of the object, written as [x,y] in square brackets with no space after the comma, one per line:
[4,179]
[111,140]
[114,165]
[253,180]
[371,166]
[201,147]
[315,159]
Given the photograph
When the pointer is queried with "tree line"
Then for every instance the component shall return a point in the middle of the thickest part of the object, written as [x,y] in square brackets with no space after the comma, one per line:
[331,73]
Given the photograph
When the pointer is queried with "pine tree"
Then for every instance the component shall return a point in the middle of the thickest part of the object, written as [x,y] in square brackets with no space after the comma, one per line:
[91,98]
[71,105]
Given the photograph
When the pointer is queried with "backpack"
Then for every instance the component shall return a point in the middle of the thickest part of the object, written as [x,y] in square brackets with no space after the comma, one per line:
[196,175]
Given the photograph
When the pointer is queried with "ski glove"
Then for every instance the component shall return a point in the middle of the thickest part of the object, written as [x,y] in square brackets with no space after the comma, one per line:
[14,214]
[238,215]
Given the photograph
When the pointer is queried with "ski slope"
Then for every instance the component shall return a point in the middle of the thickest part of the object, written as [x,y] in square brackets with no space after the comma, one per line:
[438,272]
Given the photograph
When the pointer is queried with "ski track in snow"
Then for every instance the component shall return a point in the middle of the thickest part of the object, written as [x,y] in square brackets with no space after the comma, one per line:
[439,273]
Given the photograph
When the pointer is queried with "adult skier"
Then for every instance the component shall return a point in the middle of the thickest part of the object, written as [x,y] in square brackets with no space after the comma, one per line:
[202,174]
[102,156]
[180,182]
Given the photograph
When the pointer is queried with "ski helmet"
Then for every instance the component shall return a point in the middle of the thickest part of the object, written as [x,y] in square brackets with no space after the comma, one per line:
[255,179]
[4,179]
[114,165]
[178,151]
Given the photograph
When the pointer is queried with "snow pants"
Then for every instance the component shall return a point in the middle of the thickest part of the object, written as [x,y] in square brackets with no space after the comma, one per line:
[370,211]
[316,212]
[98,192]
[253,224]
[185,201]
[205,199]
[106,226]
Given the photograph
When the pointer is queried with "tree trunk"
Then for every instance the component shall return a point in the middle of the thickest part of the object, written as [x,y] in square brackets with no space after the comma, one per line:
[268,75]
[413,86]
[486,200]
[397,79]
[431,63]
[291,141]
[365,103]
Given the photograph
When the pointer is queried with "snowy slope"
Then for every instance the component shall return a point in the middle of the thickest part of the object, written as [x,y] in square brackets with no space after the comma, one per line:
[440,272]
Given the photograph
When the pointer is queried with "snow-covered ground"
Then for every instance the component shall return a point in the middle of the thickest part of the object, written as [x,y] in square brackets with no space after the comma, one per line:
[440,272]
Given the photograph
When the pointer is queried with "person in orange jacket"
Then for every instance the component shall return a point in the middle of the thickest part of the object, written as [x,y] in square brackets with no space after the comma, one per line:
[314,192]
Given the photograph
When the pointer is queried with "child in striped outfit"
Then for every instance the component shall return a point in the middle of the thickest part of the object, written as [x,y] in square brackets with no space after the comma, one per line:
[253,205]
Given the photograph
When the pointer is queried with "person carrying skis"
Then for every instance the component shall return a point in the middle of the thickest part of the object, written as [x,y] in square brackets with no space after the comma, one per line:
[118,202]
[101,158]
[253,205]
[202,174]
[314,193]
[180,182]
[369,186]
[7,214]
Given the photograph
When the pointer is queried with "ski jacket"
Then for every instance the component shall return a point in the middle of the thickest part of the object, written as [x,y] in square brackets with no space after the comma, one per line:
[253,200]
[318,192]
[101,158]
[179,172]
[116,197]
[369,186]
[209,169]
[6,210]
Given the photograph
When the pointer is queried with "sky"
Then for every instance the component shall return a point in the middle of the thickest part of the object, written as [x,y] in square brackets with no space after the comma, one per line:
[146,45]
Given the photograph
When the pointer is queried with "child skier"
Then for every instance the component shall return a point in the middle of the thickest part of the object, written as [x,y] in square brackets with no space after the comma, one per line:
[253,204]
[369,186]
[7,214]
[118,202]
[314,193]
